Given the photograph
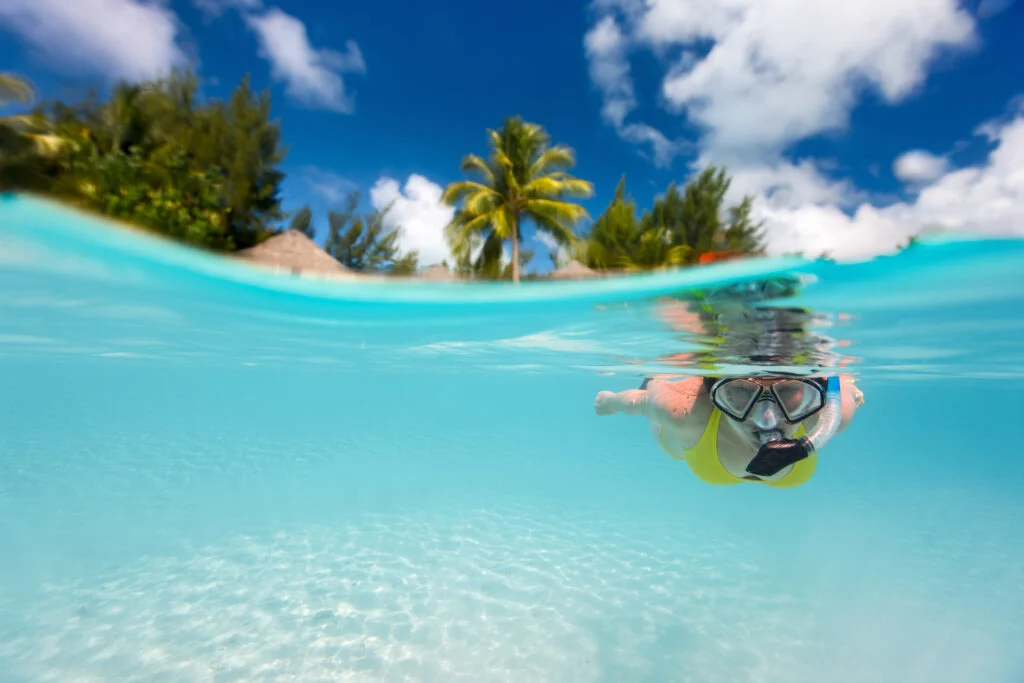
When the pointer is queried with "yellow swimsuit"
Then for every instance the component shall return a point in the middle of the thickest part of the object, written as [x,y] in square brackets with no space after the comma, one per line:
[703,459]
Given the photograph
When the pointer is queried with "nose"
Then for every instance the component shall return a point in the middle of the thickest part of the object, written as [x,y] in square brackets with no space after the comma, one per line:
[766,415]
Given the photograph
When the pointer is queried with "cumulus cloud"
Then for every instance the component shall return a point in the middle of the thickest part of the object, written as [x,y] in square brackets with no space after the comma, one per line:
[987,198]
[782,70]
[119,39]
[789,183]
[917,166]
[415,207]
[312,75]
[606,51]
[758,75]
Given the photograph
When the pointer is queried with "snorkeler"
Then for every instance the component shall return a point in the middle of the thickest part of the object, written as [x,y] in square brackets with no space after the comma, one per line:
[775,425]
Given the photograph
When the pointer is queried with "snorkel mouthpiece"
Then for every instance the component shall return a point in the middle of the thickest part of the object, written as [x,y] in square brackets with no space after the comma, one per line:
[773,456]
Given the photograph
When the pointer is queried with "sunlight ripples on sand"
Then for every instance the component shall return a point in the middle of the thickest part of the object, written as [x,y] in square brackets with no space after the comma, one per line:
[488,595]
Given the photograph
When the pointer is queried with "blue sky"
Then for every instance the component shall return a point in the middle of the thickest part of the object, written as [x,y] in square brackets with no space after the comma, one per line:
[853,125]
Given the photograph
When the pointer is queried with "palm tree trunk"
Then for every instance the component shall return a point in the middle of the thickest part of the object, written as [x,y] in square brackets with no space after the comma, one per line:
[515,249]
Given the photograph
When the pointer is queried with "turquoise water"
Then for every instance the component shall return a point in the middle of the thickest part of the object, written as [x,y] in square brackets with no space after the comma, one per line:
[209,473]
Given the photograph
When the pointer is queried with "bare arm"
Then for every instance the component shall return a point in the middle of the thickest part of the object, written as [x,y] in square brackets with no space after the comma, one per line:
[630,402]
[667,403]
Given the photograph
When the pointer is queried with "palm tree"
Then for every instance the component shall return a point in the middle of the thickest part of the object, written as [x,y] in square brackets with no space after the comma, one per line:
[523,177]
[15,89]
[24,138]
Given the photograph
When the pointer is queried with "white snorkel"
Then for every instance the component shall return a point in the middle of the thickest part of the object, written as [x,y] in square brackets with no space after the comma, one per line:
[828,419]
[774,455]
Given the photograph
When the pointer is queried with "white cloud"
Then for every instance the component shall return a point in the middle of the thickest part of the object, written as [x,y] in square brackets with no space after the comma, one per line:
[783,70]
[327,184]
[214,8]
[787,183]
[418,210]
[777,71]
[546,239]
[917,166]
[560,253]
[760,75]
[312,75]
[984,199]
[606,51]
[605,48]
[119,39]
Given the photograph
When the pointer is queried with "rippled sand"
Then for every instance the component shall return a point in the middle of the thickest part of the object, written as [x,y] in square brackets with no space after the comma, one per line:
[481,596]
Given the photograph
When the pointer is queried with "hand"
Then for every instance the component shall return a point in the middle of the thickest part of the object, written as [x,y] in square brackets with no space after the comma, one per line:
[858,397]
[604,404]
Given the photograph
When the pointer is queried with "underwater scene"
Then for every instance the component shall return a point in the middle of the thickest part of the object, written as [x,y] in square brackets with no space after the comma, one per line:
[210,472]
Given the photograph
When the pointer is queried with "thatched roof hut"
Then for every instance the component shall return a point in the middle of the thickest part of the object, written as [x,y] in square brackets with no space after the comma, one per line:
[438,273]
[294,252]
[573,270]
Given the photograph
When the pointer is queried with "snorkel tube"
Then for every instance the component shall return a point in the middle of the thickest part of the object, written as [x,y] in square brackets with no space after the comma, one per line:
[773,456]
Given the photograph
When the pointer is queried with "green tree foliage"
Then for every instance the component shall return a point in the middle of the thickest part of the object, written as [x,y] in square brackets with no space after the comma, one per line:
[163,192]
[364,243]
[158,155]
[682,225]
[302,222]
[523,178]
[619,239]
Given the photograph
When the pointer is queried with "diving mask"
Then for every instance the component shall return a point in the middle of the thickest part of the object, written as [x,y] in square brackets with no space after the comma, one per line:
[797,399]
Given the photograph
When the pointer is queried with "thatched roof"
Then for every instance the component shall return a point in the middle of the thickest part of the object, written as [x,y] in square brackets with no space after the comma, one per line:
[438,272]
[293,251]
[574,270]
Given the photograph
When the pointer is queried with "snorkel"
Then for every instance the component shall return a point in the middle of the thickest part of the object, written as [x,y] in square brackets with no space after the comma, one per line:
[776,454]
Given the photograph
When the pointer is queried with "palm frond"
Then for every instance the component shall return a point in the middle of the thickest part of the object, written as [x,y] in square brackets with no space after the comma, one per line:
[472,163]
[679,254]
[482,202]
[15,89]
[464,227]
[503,220]
[556,157]
[563,212]
[463,188]
[561,233]
[551,187]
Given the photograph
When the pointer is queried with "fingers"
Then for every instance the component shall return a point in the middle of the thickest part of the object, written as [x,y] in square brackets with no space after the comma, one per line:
[604,404]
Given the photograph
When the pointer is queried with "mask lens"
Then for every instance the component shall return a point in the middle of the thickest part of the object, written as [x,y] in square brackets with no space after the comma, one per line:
[798,399]
[736,396]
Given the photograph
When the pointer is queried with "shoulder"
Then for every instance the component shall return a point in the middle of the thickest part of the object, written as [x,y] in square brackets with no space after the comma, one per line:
[678,403]
[675,397]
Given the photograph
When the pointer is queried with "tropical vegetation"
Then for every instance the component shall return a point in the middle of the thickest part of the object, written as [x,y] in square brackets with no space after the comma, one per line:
[364,244]
[524,177]
[680,227]
[208,172]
